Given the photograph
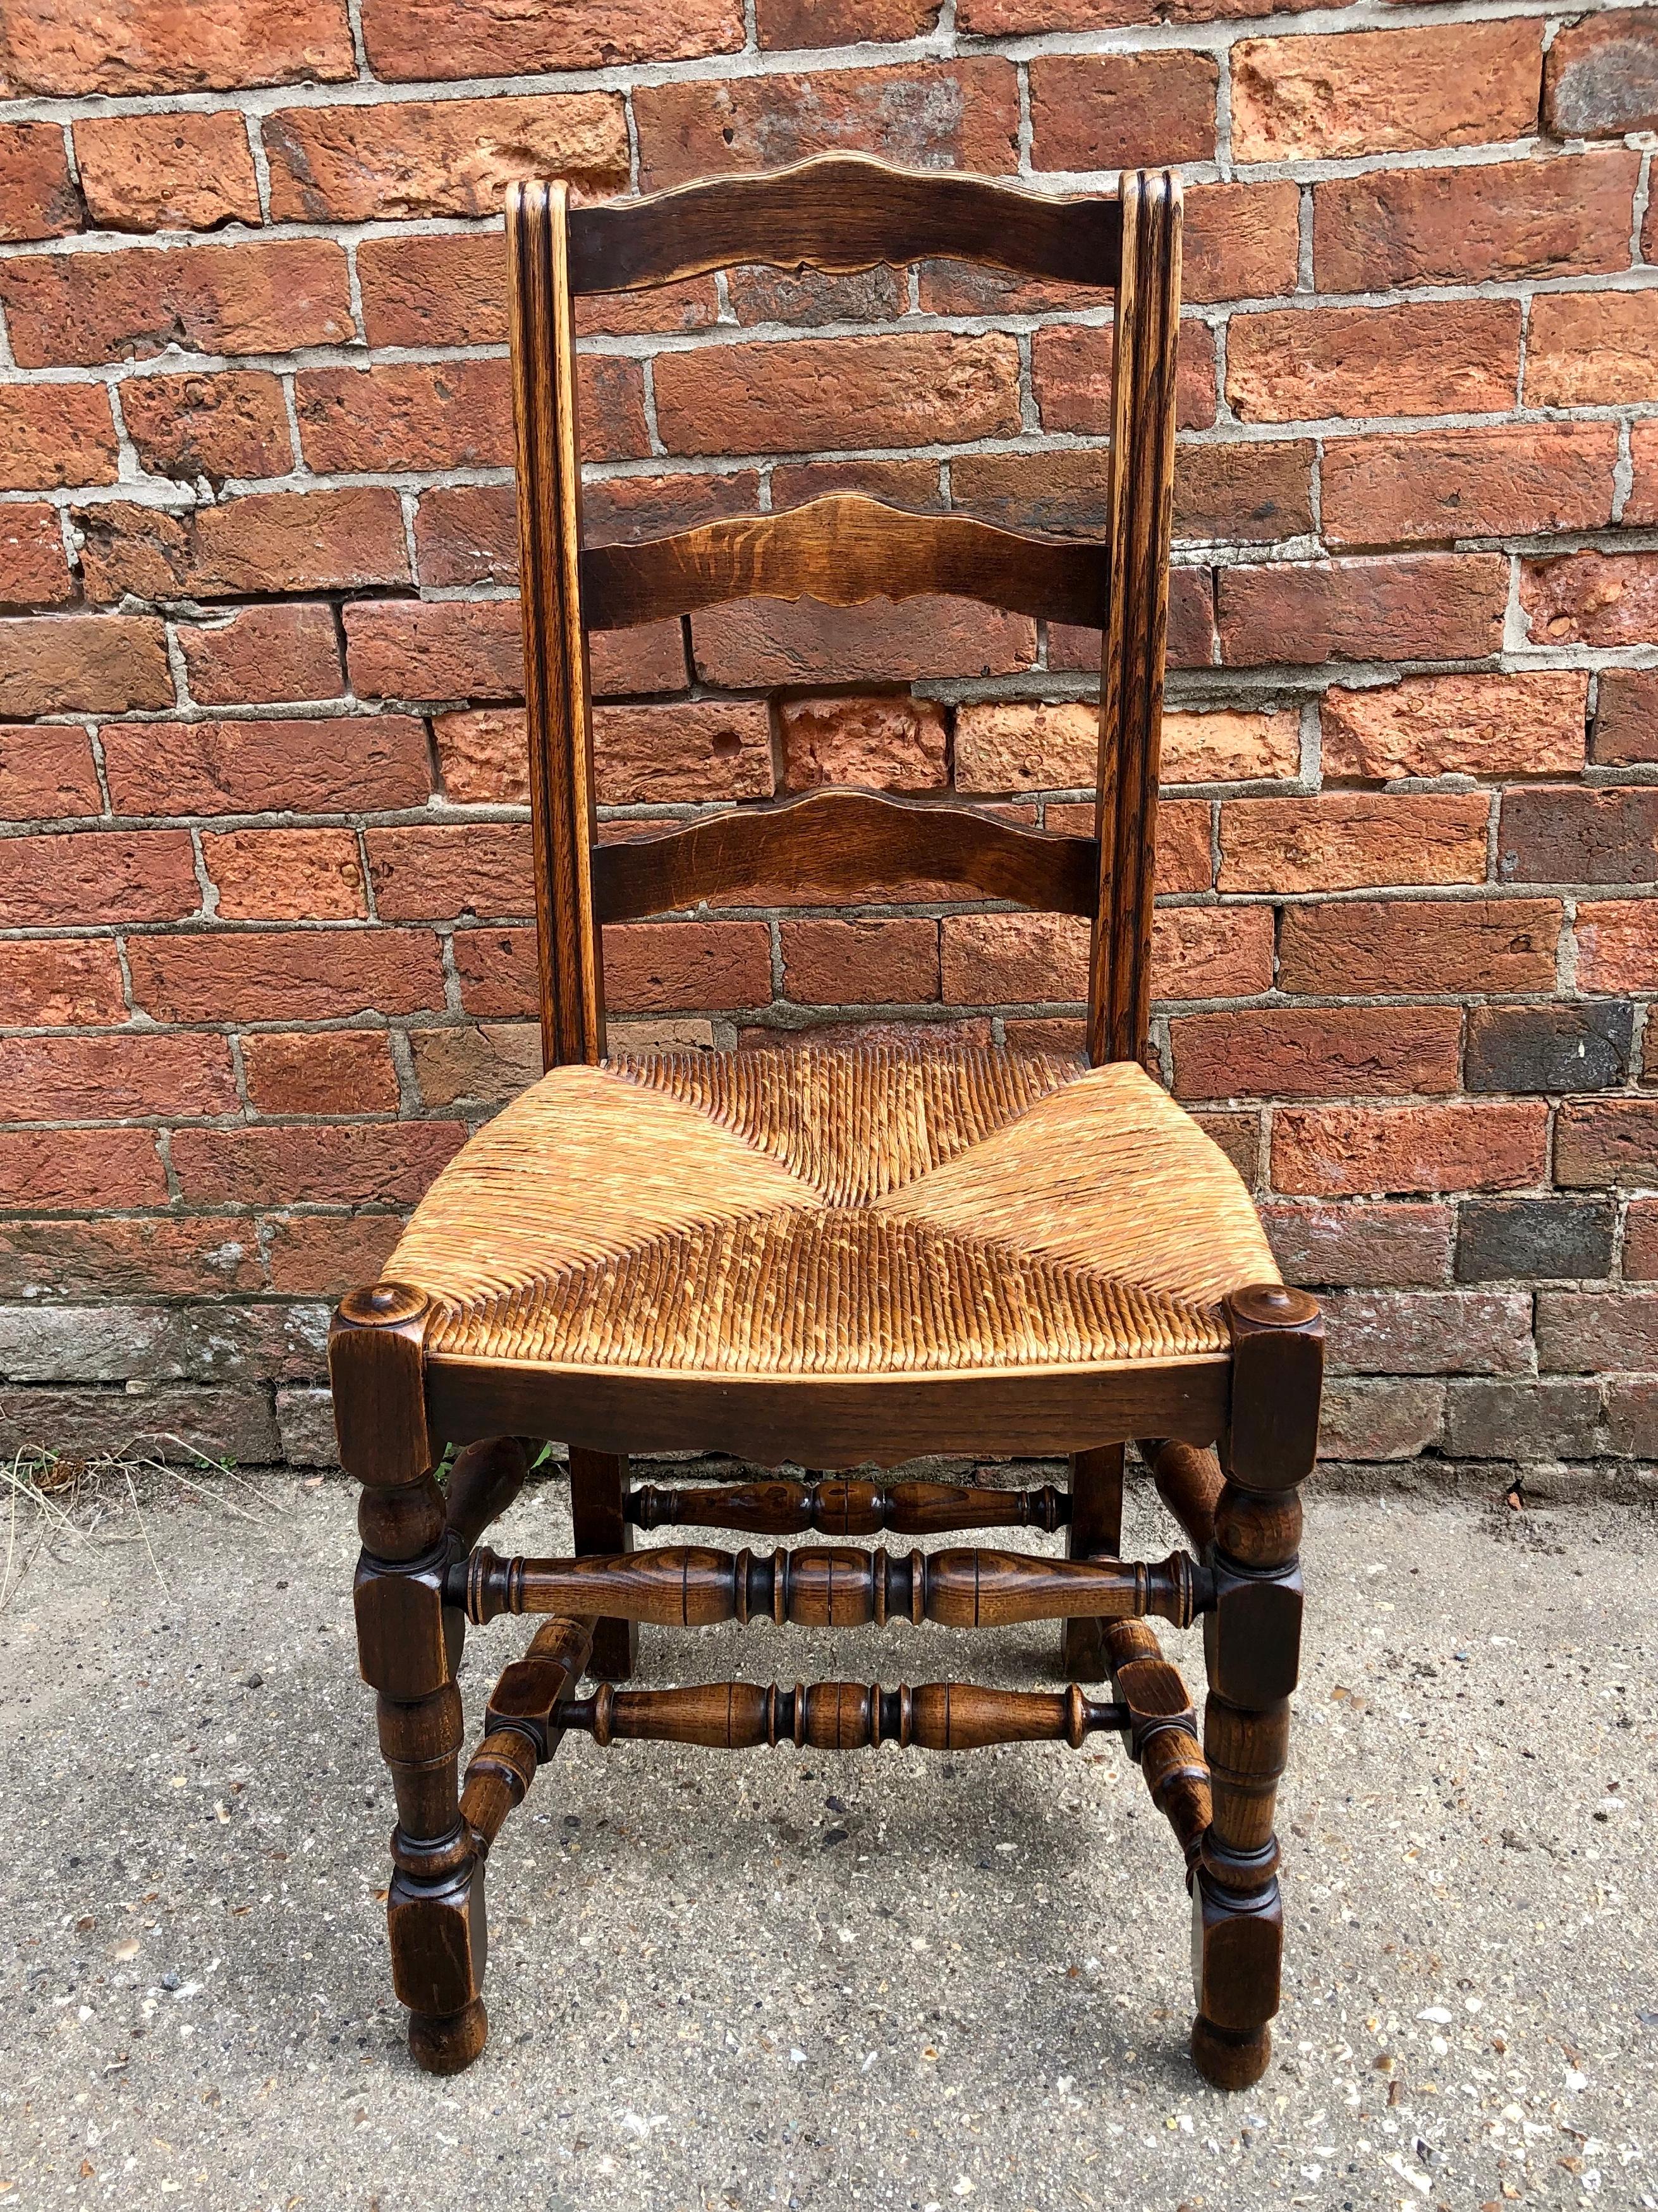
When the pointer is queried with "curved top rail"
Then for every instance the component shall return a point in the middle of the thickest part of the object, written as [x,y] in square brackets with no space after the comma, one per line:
[842,212]
[827,843]
[841,551]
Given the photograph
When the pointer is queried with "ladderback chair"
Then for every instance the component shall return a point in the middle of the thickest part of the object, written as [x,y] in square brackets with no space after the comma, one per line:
[831,1255]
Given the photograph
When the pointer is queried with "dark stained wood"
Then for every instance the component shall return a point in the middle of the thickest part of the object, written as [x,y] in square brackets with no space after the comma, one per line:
[1131,669]
[1163,1729]
[1188,1481]
[843,1716]
[691,1586]
[847,1509]
[828,1422]
[841,212]
[482,1483]
[842,551]
[375,1347]
[555,689]
[1252,1642]
[836,842]
[598,1498]
[1095,1533]
[522,1727]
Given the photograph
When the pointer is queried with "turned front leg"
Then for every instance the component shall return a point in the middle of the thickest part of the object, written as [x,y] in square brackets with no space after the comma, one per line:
[1252,1644]
[407,1646]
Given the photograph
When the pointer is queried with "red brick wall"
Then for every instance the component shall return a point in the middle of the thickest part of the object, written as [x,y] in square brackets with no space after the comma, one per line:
[267,949]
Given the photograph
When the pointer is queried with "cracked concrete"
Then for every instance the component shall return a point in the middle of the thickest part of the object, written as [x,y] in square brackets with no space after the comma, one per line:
[801,1980]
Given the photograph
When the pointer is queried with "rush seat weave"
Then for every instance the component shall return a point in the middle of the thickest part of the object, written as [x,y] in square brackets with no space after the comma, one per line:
[854,1210]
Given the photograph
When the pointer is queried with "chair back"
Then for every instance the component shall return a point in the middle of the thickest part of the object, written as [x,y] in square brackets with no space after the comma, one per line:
[841,213]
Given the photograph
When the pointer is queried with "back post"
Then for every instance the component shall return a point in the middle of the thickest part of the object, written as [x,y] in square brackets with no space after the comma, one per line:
[557,702]
[1132,668]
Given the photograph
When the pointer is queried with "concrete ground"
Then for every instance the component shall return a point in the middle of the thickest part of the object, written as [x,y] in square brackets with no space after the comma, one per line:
[792,1979]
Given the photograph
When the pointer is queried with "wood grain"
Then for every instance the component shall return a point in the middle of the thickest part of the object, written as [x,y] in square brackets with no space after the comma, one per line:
[843,551]
[840,842]
[841,212]
[843,1716]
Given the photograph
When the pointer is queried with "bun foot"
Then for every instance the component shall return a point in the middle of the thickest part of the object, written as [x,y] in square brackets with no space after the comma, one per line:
[1230,2061]
[448,2045]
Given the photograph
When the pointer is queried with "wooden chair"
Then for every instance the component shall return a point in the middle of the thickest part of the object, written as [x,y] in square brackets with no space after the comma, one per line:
[836,1256]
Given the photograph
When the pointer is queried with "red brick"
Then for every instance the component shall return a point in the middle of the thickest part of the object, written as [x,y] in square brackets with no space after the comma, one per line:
[55,434]
[1625,732]
[1366,1243]
[1562,834]
[407,415]
[1430,1333]
[75,877]
[448,291]
[1602,76]
[1606,1141]
[369,1162]
[1211,952]
[1192,634]
[1117,111]
[156,46]
[900,389]
[97,664]
[1251,492]
[1360,947]
[930,115]
[482,869]
[266,541]
[323,1255]
[1508,480]
[333,765]
[477,1063]
[37,195]
[1485,725]
[320,1072]
[166,172]
[46,773]
[33,566]
[703,749]
[1617,944]
[1569,217]
[1642,505]
[1375,91]
[233,423]
[1408,1148]
[876,741]
[622,510]
[55,1169]
[1599,1333]
[1591,598]
[1071,376]
[1325,1052]
[1632,1413]
[841,22]
[817,295]
[1371,1421]
[441,649]
[1641,1241]
[483,757]
[755,643]
[1008,745]
[59,982]
[1185,862]
[1293,365]
[148,1257]
[467,534]
[1434,605]
[864,963]
[1348,840]
[271,655]
[1028,959]
[440,39]
[1592,348]
[286,875]
[285,975]
[628,663]
[670,966]
[114,1078]
[258,298]
[1008,18]
[434,157]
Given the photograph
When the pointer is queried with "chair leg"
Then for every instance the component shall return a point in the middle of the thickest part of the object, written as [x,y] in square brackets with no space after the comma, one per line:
[1252,1642]
[598,1489]
[1096,1531]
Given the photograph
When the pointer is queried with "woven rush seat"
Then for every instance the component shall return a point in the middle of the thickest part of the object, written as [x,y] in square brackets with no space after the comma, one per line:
[818,1210]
